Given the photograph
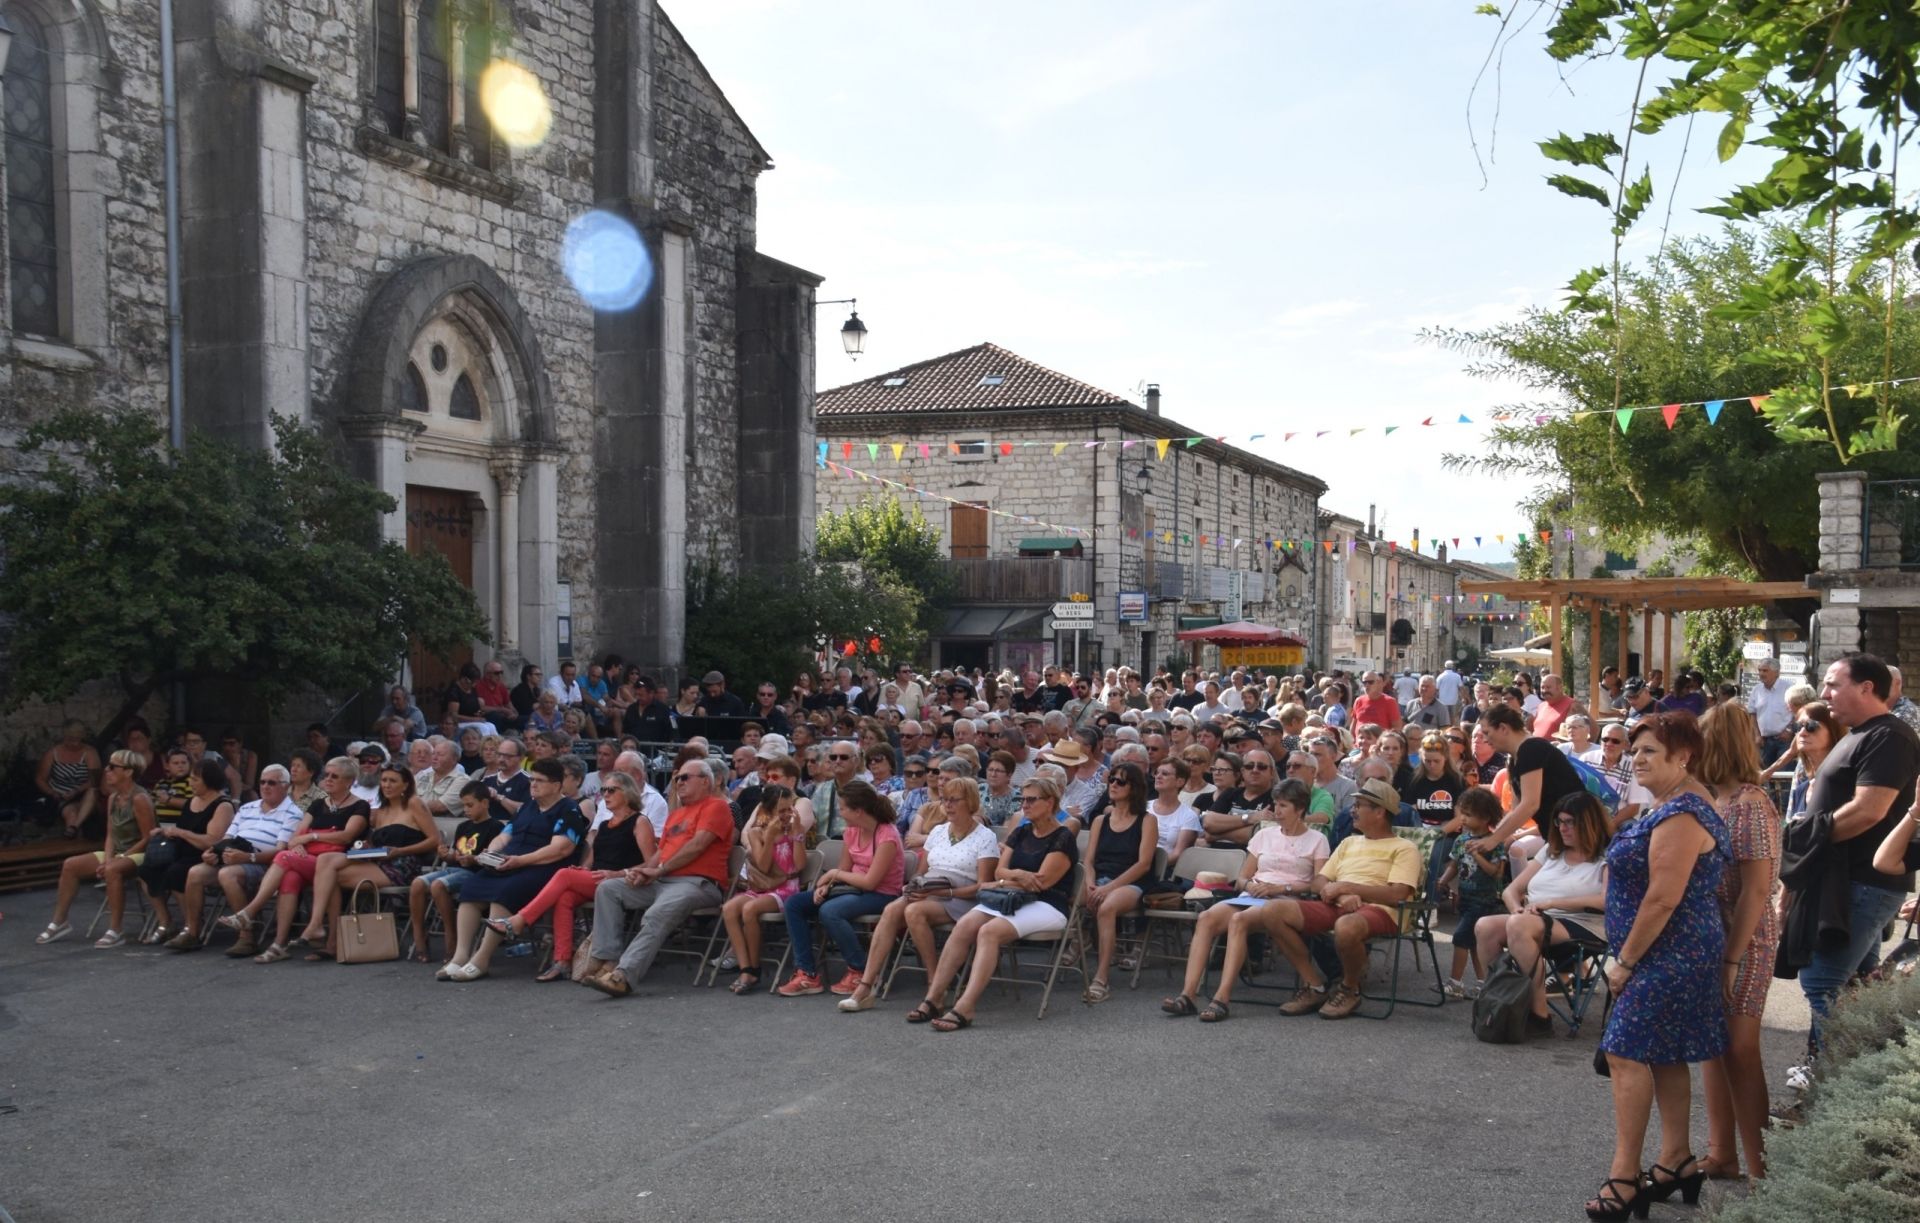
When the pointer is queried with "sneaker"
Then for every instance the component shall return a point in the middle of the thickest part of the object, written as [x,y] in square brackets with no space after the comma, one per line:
[847,984]
[1473,991]
[1341,1002]
[1304,1000]
[1799,1078]
[727,963]
[1539,1025]
[801,983]
[1453,988]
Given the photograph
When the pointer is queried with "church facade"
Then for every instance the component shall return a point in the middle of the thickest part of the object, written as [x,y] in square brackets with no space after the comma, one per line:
[361,250]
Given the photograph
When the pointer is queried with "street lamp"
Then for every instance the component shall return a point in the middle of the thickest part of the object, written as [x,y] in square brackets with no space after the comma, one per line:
[853,334]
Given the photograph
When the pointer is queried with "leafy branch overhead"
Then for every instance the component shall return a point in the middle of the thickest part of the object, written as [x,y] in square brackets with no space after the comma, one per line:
[1830,89]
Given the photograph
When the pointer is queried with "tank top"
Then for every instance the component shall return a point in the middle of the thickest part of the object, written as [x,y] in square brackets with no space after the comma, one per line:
[122,823]
[66,777]
[615,848]
[196,821]
[1119,848]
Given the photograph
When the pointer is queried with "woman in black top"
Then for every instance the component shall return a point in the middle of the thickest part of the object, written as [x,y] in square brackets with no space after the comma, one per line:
[1121,849]
[1036,860]
[403,827]
[175,849]
[334,821]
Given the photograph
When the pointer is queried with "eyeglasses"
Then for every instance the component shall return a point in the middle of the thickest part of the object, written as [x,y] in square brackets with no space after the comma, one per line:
[1299,766]
[916,772]
[265,781]
[1254,766]
[1565,820]
[1029,799]
[689,776]
[1613,739]
[1456,742]
[114,765]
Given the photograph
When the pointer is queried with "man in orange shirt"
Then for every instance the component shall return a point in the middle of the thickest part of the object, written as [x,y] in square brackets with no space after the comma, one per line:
[1377,706]
[688,872]
[1555,705]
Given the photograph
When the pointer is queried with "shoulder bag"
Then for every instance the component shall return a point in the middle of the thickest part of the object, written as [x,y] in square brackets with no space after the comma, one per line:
[366,938]
[1005,901]
[1500,1012]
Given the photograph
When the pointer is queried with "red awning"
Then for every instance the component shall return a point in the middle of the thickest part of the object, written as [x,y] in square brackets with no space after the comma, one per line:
[1241,632]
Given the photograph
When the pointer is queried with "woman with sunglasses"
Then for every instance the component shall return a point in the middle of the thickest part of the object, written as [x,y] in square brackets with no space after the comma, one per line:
[1121,848]
[1560,897]
[1815,734]
[130,823]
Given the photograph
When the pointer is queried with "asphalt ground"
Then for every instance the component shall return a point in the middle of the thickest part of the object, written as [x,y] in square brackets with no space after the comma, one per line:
[141,1084]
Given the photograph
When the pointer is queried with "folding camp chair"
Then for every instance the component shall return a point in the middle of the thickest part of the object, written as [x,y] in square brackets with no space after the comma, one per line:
[136,899]
[685,941]
[1168,924]
[1576,973]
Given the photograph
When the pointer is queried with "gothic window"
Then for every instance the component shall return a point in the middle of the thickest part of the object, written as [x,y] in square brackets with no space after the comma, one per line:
[432,47]
[427,89]
[463,404]
[33,245]
[477,48]
[449,379]
[417,388]
[390,64]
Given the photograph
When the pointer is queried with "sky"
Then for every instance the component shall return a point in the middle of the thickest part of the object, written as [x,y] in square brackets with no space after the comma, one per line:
[1257,205]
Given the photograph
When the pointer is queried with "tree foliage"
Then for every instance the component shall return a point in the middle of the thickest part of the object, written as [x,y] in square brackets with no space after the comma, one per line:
[886,538]
[757,626]
[265,568]
[1741,487]
[1832,89]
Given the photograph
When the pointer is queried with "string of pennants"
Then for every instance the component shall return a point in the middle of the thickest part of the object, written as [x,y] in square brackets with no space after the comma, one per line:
[1205,539]
[1620,417]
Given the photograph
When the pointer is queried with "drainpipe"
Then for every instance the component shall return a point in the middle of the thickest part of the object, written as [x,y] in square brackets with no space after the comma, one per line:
[170,135]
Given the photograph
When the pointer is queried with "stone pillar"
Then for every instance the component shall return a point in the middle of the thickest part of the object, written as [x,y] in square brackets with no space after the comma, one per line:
[457,87]
[506,627]
[1842,520]
[540,556]
[775,452]
[410,67]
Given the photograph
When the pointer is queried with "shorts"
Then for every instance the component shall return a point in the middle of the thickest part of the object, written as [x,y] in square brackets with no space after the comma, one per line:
[100,855]
[251,874]
[455,877]
[1321,916]
[1031,918]
[1570,931]
[1463,931]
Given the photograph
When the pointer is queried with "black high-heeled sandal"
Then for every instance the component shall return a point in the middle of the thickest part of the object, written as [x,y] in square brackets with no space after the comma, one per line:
[1613,1205]
[1689,1186]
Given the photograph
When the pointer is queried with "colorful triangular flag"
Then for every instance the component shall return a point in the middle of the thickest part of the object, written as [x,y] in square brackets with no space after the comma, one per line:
[899,448]
[1670,412]
[1624,416]
[1160,447]
[1713,410]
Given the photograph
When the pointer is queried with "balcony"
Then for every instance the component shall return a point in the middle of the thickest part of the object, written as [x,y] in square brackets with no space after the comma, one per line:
[1170,582]
[1020,579]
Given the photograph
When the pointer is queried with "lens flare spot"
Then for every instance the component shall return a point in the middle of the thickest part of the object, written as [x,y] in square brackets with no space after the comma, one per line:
[515,104]
[606,261]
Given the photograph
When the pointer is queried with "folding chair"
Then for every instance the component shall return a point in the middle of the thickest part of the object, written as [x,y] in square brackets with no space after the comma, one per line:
[1168,923]
[1413,926]
[680,941]
[137,900]
[1576,973]
[1060,940]
[709,962]
[819,861]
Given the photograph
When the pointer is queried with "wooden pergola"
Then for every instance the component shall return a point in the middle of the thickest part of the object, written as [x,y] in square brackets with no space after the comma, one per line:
[1624,596]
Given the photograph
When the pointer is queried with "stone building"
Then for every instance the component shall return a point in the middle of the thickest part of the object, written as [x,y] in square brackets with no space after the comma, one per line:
[1045,488]
[1868,582]
[361,249]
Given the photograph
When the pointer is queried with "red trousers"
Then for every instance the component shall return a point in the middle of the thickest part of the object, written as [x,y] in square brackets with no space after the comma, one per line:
[564,892]
[299,867]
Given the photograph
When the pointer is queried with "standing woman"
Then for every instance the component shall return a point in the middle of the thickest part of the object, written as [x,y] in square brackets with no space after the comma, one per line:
[543,838]
[403,827]
[1815,733]
[1121,848]
[623,839]
[202,823]
[1037,860]
[129,824]
[1663,920]
[1736,1085]
[67,777]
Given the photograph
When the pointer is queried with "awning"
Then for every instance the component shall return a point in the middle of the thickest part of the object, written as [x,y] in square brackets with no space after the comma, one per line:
[994,622]
[1049,543]
[1187,622]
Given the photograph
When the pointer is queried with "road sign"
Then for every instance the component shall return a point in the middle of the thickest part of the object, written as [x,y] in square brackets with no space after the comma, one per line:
[1073,611]
[1069,626]
[1754,651]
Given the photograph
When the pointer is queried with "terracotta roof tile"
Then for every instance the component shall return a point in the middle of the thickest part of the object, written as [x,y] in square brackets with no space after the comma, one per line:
[985,376]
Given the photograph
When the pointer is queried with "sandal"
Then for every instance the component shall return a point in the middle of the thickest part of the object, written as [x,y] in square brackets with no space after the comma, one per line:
[54,932]
[316,956]
[745,983]
[1613,1205]
[234,922]
[1179,1005]
[928,1009]
[1097,992]
[952,1021]
[421,956]
[272,955]
[502,926]
[556,971]
[1215,1011]
[159,934]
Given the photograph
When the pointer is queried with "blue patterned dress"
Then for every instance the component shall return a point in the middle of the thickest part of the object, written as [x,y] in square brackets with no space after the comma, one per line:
[1671,1010]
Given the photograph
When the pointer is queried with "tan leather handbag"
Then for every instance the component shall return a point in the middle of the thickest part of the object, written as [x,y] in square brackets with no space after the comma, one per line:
[366,938]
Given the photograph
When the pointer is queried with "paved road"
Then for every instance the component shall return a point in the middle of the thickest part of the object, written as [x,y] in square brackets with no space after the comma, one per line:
[149,1085]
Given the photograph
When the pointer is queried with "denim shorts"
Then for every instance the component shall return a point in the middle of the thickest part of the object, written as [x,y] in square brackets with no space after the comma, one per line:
[455,877]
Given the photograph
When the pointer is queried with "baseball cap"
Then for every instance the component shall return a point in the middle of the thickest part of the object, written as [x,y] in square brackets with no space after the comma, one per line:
[1634,685]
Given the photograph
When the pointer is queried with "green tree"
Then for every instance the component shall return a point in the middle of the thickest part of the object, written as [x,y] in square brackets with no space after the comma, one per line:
[261,567]
[755,626]
[1742,489]
[1834,85]
[885,537]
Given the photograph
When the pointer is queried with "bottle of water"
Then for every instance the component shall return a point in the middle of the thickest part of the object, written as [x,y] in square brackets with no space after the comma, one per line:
[524,947]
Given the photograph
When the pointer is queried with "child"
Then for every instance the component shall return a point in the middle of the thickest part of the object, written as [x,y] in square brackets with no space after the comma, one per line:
[1474,882]
[442,885]
[775,853]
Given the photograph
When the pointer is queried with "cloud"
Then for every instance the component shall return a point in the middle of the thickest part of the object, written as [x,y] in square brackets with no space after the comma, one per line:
[1056,80]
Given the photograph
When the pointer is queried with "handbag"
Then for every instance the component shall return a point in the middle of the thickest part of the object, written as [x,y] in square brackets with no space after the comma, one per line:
[1004,901]
[162,852]
[1500,1012]
[843,889]
[366,938]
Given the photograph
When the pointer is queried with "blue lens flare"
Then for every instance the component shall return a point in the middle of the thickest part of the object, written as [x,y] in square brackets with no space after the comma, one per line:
[607,262]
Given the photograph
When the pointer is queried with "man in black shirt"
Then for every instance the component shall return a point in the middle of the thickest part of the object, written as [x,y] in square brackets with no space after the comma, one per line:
[1539,774]
[766,710]
[1190,694]
[1236,812]
[716,701]
[1056,690]
[1866,785]
[1030,699]
[648,719]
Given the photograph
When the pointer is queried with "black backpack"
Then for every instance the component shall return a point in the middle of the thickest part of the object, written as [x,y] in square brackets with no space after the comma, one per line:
[1500,1012]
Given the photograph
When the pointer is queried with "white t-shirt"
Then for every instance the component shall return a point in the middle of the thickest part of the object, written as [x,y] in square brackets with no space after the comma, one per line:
[1449,682]
[1558,879]
[1406,688]
[1181,819]
[1204,712]
[1287,860]
[959,861]
[1769,708]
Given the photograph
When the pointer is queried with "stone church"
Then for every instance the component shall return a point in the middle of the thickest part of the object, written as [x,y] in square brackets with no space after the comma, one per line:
[360,249]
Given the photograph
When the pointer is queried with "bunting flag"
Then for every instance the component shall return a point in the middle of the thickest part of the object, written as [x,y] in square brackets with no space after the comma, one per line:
[1160,447]
[898,448]
[1713,407]
[1670,412]
[841,469]
[1625,417]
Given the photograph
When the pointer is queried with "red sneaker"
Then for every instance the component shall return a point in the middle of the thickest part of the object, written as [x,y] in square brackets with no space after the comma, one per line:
[847,984]
[801,983]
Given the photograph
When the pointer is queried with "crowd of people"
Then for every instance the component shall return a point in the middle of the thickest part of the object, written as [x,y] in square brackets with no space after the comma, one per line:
[977,805]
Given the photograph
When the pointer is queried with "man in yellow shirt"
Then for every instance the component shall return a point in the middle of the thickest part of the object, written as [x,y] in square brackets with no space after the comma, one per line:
[1358,888]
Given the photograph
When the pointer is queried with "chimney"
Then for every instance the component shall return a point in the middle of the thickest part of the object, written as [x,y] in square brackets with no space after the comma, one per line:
[1153,398]
[1369,522]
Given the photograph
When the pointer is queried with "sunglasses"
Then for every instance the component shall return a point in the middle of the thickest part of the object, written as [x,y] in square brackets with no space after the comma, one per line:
[1029,799]
[689,776]
[1119,781]
[1800,726]
[1254,766]
[916,772]
[839,757]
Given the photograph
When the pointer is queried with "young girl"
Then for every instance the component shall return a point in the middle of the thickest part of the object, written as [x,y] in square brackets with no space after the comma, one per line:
[775,843]
[1474,881]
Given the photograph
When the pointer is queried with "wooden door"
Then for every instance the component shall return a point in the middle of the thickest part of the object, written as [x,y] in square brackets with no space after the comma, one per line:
[969,537]
[440,519]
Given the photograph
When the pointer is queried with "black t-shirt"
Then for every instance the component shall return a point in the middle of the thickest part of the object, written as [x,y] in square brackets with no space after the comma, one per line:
[1237,801]
[523,698]
[1187,700]
[534,828]
[1059,694]
[1028,849]
[726,705]
[1433,798]
[472,836]
[473,766]
[1558,777]
[511,791]
[648,721]
[1881,751]
[464,701]
[1037,703]
[323,817]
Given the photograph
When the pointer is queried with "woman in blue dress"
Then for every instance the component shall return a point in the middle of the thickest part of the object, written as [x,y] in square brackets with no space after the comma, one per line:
[1663,919]
[544,837]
